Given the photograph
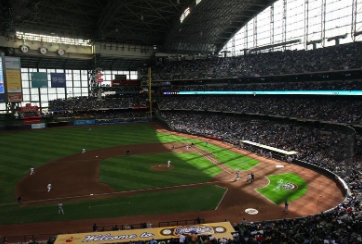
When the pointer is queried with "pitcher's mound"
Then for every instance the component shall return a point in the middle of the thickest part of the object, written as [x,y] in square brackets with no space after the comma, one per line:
[161,167]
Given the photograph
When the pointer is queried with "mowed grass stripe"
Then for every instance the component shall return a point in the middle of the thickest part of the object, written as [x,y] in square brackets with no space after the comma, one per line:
[163,202]
[134,172]
[231,159]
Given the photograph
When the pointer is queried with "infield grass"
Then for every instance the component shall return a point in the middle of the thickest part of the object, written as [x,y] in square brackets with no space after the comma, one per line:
[131,173]
[275,192]
[162,202]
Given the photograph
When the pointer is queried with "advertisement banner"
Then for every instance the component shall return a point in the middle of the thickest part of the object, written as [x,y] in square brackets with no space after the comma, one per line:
[39,79]
[29,108]
[38,126]
[13,80]
[31,121]
[218,230]
[1,77]
[16,97]
[12,63]
[58,79]
[84,122]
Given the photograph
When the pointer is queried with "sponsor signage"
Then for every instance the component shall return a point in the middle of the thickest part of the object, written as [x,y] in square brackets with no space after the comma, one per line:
[12,73]
[31,121]
[1,76]
[13,80]
[218,230]
[16,97]
[312,92]
[12,62]
[125,83]
[29,108]
[39,79]
[2,88]
[84,122]
[38,126]
[58,79]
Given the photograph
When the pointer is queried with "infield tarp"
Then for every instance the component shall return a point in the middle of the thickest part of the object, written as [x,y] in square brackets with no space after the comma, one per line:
[218,230]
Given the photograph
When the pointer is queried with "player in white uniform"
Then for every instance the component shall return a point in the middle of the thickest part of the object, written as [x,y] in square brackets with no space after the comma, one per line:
[60,208]
[187,147]
[32,171]
[83,151]
[49,186]
[168,163]
[248,179]
[238,175]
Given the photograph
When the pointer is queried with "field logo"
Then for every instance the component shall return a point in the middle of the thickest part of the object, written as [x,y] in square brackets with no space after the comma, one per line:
[289,186]
[286,186]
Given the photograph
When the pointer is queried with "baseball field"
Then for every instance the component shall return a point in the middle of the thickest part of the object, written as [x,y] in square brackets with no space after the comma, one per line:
[105,182]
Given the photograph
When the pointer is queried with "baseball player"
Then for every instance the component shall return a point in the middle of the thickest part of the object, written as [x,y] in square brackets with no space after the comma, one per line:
[286,206]
[173,147]
[168,163]
[238,175]
[49,186]
[19,199]
[187,147]
[90,129]
[83,151]
[32,171]
[60,208]
[248,178]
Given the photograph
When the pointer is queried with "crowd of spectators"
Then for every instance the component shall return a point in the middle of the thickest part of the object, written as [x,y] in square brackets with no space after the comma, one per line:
[87,103]
[340,57]
[281,86]
[319,146]
[332,109]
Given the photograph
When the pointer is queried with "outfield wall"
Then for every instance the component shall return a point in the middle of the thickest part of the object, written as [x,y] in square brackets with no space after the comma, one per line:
[339,181]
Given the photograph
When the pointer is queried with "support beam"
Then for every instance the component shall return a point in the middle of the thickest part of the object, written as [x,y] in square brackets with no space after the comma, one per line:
[107,16]
[323,22]
[306,23]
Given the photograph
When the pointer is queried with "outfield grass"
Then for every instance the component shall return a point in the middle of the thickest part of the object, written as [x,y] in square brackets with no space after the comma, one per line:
[161,202]
[231,159]
[130,173]
[277,194]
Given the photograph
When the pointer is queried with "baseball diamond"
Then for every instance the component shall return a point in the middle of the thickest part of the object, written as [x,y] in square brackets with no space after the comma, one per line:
[110,185]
